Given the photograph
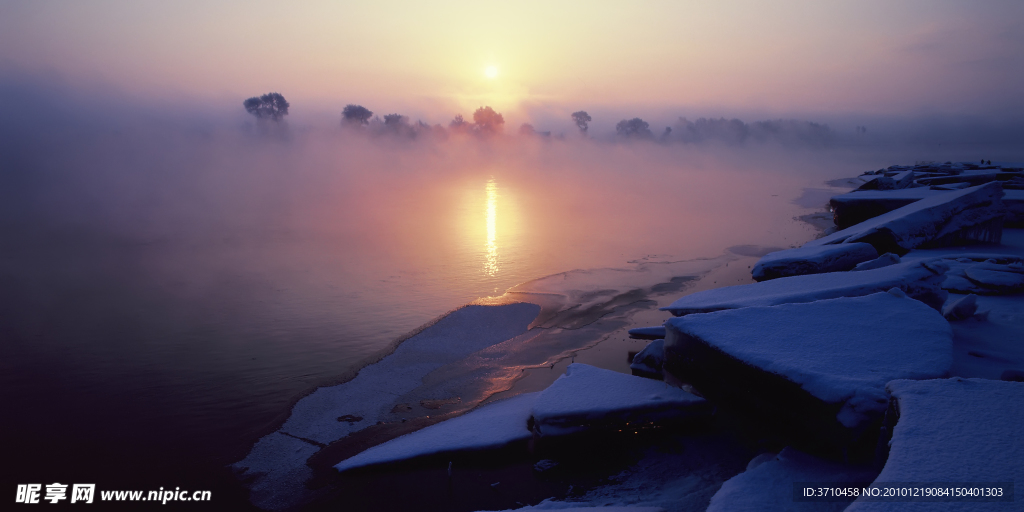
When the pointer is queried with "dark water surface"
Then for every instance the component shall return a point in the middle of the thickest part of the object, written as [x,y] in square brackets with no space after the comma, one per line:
[162,305]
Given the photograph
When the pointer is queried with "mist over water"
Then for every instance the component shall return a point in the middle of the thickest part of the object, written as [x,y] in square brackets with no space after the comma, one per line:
[170,282]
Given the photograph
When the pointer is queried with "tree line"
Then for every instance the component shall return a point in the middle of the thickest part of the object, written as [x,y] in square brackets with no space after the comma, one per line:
[272,107]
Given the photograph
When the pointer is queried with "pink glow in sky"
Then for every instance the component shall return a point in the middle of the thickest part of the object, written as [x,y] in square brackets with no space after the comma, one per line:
[430,58]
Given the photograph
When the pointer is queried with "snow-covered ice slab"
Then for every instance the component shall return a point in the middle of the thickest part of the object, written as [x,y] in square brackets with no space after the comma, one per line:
[913,278]
[955,430]
[587,397]
[812,260]
[984,274]
[767,484]
[858,206]
[274,473]
[974,213]
[814,370]
[491,426]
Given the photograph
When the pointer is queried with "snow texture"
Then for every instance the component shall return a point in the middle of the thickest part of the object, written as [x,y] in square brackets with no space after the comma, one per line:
[839,350]
[767,486]
[984,274]
[937,220]
[812,260]
[491,426]
[912,277]
[882,261]
[586,395]
[955,430]
[960,308]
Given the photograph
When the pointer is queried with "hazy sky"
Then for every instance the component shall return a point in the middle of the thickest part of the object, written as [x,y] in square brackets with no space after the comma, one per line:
[429,58]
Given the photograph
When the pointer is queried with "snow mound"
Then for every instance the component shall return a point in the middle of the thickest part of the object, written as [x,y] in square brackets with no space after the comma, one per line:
[912,277]
[812,260]
[768,486]
[955,430]
[648,362]
[491,426]
[974,213]
[820,366]
[587,397]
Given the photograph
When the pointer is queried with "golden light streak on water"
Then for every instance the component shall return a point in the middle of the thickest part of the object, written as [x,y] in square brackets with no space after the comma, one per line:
[491,265]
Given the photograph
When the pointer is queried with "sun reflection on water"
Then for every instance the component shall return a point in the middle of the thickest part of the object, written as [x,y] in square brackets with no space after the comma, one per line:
[491,265]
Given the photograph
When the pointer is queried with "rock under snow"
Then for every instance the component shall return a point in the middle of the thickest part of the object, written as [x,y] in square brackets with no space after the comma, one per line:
[812,260]
[587,397]
[974,213]
[817,371]
[912,277]
[955,430]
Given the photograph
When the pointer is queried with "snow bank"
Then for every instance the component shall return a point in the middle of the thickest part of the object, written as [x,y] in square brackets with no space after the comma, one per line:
[587,397]
[955,430]
[768,486]
[491,426]
[912,277]
[812,260]
[973,213]
[820,368]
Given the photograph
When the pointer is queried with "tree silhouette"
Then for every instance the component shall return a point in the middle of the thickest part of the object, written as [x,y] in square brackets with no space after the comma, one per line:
[581,119]
[488,121]
[634,128]
[269,106]
[356,114]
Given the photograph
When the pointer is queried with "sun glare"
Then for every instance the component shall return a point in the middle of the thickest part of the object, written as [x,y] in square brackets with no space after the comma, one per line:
[491,71]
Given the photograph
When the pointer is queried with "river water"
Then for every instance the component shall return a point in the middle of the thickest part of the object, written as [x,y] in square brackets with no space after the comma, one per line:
[168,294]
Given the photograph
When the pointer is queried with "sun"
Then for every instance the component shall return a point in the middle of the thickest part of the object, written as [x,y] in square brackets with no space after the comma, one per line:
[491,71]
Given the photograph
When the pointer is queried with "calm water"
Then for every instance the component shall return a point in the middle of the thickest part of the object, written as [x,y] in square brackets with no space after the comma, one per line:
[166,297]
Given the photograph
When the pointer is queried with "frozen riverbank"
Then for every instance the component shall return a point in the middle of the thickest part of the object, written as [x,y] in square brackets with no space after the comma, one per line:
[580,316]
[771,340]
